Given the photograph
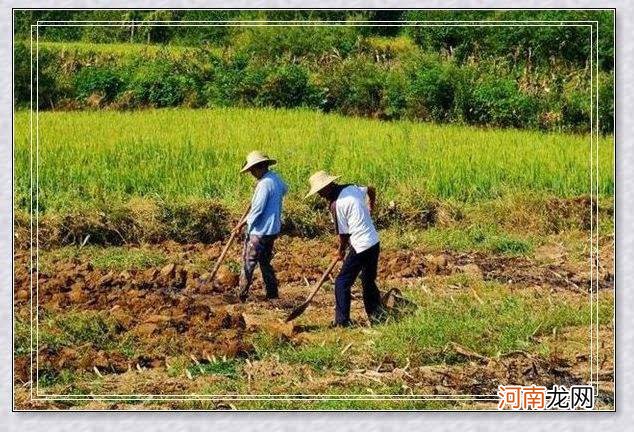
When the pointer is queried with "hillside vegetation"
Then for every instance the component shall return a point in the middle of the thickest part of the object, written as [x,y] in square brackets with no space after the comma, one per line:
[514,76]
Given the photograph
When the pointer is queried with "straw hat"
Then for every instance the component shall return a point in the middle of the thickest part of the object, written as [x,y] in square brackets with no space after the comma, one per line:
[254,158]
[318,181]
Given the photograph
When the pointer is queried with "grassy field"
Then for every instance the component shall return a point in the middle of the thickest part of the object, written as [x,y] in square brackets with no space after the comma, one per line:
[126,51]
[497,268]
[176,154]
[488,234]
[121,51]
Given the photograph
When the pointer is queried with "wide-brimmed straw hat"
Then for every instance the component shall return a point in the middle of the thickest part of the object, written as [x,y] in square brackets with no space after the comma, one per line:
[318,181]
[256,157]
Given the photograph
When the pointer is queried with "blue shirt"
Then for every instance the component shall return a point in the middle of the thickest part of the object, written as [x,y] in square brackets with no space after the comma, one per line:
[265,216]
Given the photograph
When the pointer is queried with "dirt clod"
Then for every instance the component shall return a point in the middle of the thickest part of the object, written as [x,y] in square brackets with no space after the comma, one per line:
[471,270]
[77,295]
[146,329]
[227,278]
[168,270]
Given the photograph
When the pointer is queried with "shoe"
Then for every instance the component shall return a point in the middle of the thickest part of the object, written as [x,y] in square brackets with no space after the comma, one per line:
[344,324]
[380,317]
[243,296]
[272,296]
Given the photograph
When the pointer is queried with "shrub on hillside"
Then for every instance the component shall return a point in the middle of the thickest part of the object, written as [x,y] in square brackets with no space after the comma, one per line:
[395,95]
[53,83]
[249,84]
[521,44]
[158,84]
[355,86]
[606,103]
[21,73]
[576,109]
[222,88]
[90,80]
[459,42]
[287,86]
[280,85]
[275,42]
[498,102]
[431,92]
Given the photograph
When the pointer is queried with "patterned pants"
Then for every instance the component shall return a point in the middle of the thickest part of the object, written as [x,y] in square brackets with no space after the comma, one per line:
[258,250]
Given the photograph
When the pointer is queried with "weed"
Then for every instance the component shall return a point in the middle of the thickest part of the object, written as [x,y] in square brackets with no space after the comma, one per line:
[226,368]
[504,322]
[107,258]
[487,238]
[326,357]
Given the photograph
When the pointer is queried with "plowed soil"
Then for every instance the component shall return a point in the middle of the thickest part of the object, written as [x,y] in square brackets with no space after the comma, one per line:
[176,306]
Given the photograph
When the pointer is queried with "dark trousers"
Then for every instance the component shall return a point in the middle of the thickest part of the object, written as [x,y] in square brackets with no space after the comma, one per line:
[365,263]
[258,250]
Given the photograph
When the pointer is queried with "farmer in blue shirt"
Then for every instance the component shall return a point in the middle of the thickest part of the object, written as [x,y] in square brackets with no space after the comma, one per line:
[263,222]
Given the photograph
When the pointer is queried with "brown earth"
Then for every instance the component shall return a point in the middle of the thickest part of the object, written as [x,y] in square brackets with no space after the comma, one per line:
[298,260]
[174,308]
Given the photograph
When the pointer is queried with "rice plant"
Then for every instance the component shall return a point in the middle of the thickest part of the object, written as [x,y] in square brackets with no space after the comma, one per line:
[173,154]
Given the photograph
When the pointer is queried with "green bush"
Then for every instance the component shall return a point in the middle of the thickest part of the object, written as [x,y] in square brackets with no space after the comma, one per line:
[223,88]
[250,83]
[275,43]
[355,86]
[287,86]
[395,95]
[102,80]
[460,42]
[606,103]
[21,73]
[279,85]
[53,83]
[533,45]
[576,109]
[499,102]
[157,83]
[431,92]
[190,35]
[50,79]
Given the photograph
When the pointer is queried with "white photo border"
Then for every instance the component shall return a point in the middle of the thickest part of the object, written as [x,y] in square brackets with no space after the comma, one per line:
[594,205]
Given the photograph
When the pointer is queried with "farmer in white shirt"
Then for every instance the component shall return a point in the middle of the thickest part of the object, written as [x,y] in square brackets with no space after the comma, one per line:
[350,207]
[263,223]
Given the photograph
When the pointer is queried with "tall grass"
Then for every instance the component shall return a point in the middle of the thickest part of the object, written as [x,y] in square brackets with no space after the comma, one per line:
[121,51]
[106,156]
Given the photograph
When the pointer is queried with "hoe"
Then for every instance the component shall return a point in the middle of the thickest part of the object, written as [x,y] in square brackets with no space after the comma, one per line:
[392,300]
[302,307]
[226,248]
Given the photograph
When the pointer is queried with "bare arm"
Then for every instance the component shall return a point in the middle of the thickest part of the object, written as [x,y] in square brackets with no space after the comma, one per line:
[344,239]
[243,221]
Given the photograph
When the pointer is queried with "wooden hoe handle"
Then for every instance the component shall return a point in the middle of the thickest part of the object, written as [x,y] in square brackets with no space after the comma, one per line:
[302,307]
[226,248]
[323,279]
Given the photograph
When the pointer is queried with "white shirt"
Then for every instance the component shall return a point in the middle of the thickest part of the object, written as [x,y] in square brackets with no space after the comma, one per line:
[352,216]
